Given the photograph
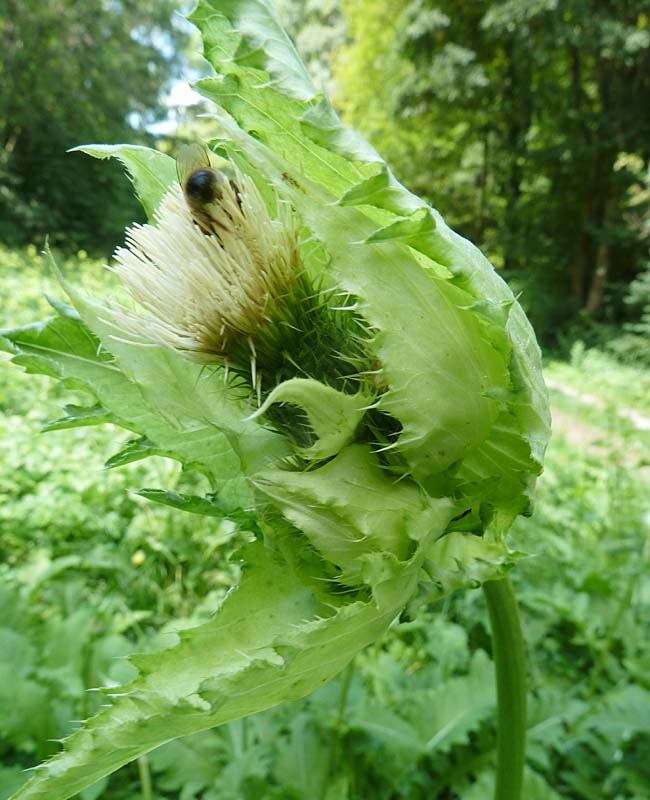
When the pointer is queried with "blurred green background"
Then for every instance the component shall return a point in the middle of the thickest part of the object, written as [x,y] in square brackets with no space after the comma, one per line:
[527,124]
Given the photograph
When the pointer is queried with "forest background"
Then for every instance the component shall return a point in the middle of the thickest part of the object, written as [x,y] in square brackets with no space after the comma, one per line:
[527,124]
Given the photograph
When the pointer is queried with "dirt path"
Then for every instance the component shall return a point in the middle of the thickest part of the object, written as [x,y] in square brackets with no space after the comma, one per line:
[638,420]
[627,452]
[577,432]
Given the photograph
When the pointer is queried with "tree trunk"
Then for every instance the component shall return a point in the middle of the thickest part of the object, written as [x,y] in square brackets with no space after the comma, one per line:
[579,265]
[602,268]
[518,97]
[481,211]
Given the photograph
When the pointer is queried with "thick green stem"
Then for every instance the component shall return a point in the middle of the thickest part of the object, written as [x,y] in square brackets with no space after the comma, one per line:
[510,663]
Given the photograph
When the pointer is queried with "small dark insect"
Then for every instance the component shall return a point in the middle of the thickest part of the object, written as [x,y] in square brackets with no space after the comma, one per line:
[203,187]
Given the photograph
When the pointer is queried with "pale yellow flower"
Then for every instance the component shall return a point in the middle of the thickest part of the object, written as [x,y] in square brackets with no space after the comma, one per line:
[207,294]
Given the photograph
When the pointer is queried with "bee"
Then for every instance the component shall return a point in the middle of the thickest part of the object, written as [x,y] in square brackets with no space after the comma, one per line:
[204,188]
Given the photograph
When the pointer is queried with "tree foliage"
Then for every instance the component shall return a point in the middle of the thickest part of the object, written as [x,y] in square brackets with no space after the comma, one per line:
[74,73]
[319,30]
[518,120]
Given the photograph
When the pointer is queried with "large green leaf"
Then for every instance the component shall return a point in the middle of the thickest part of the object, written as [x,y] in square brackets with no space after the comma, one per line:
[64,348]
[152,172]
[467,372]
[273,639]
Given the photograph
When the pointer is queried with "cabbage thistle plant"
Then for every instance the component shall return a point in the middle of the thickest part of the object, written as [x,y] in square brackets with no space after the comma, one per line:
[358,385]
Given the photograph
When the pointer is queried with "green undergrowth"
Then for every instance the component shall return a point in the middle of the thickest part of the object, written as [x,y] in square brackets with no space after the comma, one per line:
[90,572]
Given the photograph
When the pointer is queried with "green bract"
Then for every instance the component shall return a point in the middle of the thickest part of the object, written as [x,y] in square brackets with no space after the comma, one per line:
[358,486]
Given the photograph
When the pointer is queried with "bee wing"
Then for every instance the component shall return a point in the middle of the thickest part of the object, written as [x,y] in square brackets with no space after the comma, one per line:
[190,158]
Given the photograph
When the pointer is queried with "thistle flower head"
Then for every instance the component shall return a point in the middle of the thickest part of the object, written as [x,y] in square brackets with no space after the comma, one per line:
[219,280]
[208,277]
